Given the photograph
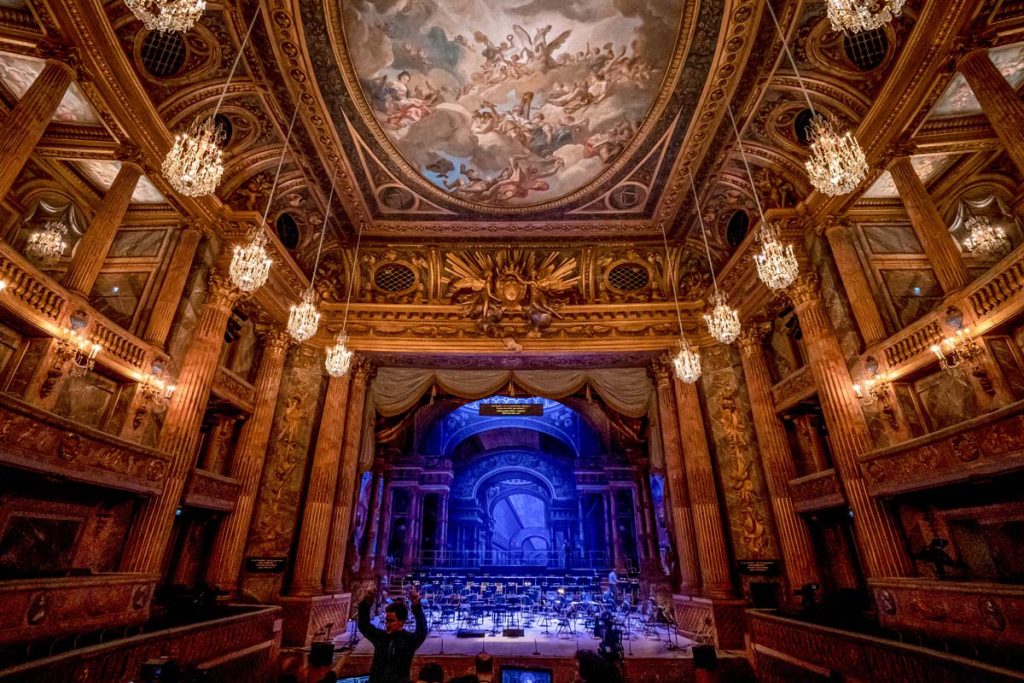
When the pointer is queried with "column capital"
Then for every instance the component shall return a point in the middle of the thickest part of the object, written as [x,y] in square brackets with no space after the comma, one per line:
[969,46]
[363,369]
[834,224]
[275,339]
[129,154]
[64,56]
[660,369]
[752,337]
[805,289]
[221,292]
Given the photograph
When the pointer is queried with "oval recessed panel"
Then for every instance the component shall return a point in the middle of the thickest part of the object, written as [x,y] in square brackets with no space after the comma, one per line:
[511,103]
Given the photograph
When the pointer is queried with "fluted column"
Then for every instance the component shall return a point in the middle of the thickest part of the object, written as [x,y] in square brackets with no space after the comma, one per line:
[247,465]
[998,100]
[91,251]
[881,545]
[215,455]
[151,529]
[855,282]
[384,530]
[945,257]
[707,515]
[647,511]
[442,530]
[809,438]
[344,496]
[777,460]
[24,126]
[678,504]
[307,576]
[162,314]
[369,548]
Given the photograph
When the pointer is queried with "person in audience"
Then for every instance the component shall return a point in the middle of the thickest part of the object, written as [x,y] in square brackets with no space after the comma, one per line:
[593,668]
[468,678]
[431,673]
[393,646]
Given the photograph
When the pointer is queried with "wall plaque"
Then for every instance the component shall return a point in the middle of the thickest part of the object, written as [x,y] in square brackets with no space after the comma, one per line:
[511,409]
[264,565]
[759,567]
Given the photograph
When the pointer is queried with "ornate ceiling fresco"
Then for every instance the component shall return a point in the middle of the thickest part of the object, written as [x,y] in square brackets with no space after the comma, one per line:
[528,110]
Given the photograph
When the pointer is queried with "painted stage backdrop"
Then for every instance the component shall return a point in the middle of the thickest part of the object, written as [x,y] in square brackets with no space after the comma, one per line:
[511,102]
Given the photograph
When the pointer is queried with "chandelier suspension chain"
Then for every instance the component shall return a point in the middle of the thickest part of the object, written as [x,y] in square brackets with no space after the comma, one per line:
[352,276]
[280,165]
[234,65]
[746,164]
[675,285]
[700,220]
[792,62]
[323,230]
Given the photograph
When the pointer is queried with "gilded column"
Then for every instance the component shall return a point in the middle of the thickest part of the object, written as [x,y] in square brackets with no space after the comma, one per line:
[881,545]
[678,508]
[151,529]
[442,529]
[247,465]
[27,120]
[707,515]
[998,99]
[855,282]
[307,577]
[91,251]
[945,257]
[369,548]
[344,495]
[794,536]
[162,314]
[809,438]
[215,455]
[384,531]
[617,554]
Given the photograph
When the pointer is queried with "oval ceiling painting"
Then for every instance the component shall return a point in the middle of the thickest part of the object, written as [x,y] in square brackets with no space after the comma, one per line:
[510,102]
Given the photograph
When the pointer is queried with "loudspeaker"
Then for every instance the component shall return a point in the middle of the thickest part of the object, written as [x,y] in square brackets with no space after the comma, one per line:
[469,633]
[321,654]
[513,633]
[705,657]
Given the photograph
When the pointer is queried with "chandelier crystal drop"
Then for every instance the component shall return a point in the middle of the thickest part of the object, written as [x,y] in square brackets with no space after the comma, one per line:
[250,265]
[723,322]
[776,263]
[167,15]
[686,363]
[854,16]
[837,164]
[984,238]
[194,165]
[47,245]
[304,319]
[339,357]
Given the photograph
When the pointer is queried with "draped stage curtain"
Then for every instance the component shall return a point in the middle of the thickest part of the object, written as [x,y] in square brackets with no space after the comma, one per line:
[627,390]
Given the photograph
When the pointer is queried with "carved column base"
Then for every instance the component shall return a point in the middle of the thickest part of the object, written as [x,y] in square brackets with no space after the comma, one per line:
[305,616]
[725,617]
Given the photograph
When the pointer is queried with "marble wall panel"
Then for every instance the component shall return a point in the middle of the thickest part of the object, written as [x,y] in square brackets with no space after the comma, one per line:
[10,340]
[947,398]
[733,443]
[87,399]
[292,441]
[117,295]
[834,296]
[914,293]
[891,239]
[192,299]
[137,243]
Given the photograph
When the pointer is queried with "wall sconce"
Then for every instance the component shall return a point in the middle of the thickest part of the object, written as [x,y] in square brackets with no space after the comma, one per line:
[873,389]
[952,352]
[3,285]
[156,393]
[75,355]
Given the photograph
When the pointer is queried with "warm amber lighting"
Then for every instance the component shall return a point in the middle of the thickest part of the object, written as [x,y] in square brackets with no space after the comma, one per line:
[339,357]
[167,15]
[194,165]
[47,245]
[854,16]
[304,318]
[837,164]
[686,363]
[873,389]
[985,238]
[952,352]
[250,264]
[80,351]
[723,322]
[776,263]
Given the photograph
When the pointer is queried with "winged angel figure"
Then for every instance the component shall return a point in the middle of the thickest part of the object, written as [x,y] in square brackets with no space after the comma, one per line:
[499,287]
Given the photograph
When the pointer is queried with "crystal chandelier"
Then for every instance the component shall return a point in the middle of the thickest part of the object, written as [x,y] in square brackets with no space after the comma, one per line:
[167,15]
[250,264]
[854,16]
[339,358]
[304,318]
[686,363]
[776,263]
[837,164]
[194,165]
[723,322]
[47,245]
[984,238]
